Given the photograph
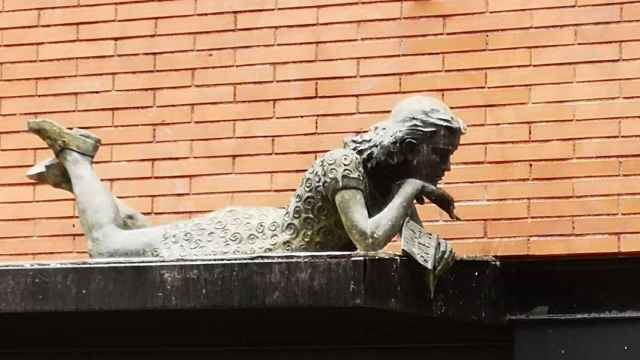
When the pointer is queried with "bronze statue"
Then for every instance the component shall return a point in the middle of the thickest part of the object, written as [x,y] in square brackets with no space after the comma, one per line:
[355,198]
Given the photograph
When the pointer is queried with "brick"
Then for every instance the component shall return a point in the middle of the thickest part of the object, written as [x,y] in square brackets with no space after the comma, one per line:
[76,50]
[608,71]
[292,126]
[500,133]
[359,12]
[16,158]
[630,88]
[469,154]
[456,80]
[529,190]
[187,167]
[466,192]
[358,49]
[573,245]
[630,205]
[37,104]
[16,193]
[194,131]
[232,147]
[234,75]
[151,151]
[533,151]
[493,172]
[21,141]
[74,85]
[531,38]
[36,210]
[530,76]
[17,88]
[232,5]
[503,247]
[614,186]
[567,92]
[317,143]
[573,207]
[123,170]
[457,230]
[273,199]
[492,210]
[629,243]
[316,34]
[155,10]
[285,108]
[287,181]
[195,24]
[115,64]
[325,69]
[191,203]
[14,176]
[575,54]
[18,19]
[607,109]
[276,54]
[288,90]
[36,245]
[228,183]
[574,130]
[125,134]
[472,116]
[443,44]
[77,15]
[607,33]
[350,123]
[275,18]
[587,15]
[484,22]
[120,29]
[534,227]
[156,44]
[115,100]
[487,97]
[629,127]
[609,147]
[18,53]
[530,113]
[222,40]
[405,64]
[152,116]
[39,35]
[199,59]
[194,95]
[150,187]
[502,5]
[269,163]
[152,80]
[607,225]
[629,166]
[307,3]
[36,4]
[235,111]
[441,7]
[500,58]
[82,119]
[631,50]
[379,103]
[371,85]
[47,193]
[399,28]
[631,12]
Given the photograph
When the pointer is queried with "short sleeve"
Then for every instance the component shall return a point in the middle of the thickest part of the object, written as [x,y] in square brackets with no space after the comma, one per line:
[344,170]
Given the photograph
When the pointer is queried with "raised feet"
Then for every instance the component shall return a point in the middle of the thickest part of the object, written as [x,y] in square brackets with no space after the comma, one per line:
[59,138]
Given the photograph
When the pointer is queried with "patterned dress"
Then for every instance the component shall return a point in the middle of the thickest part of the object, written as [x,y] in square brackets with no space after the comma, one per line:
[311,222]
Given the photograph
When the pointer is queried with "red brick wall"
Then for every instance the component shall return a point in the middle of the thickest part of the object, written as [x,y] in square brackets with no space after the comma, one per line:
[207,103]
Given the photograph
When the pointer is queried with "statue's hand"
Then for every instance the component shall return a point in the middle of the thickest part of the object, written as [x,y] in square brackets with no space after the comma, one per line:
[440,198]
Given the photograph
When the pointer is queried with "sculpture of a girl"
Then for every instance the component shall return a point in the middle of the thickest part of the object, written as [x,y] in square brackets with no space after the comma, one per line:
[357,197]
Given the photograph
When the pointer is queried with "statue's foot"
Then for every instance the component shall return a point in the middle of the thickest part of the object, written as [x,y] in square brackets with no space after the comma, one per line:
[52,172]
[59,138]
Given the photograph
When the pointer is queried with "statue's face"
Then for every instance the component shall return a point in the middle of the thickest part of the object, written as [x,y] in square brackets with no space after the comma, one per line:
[432,159]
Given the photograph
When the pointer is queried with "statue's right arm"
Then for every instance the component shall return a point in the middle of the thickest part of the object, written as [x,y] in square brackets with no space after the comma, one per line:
[372,234]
